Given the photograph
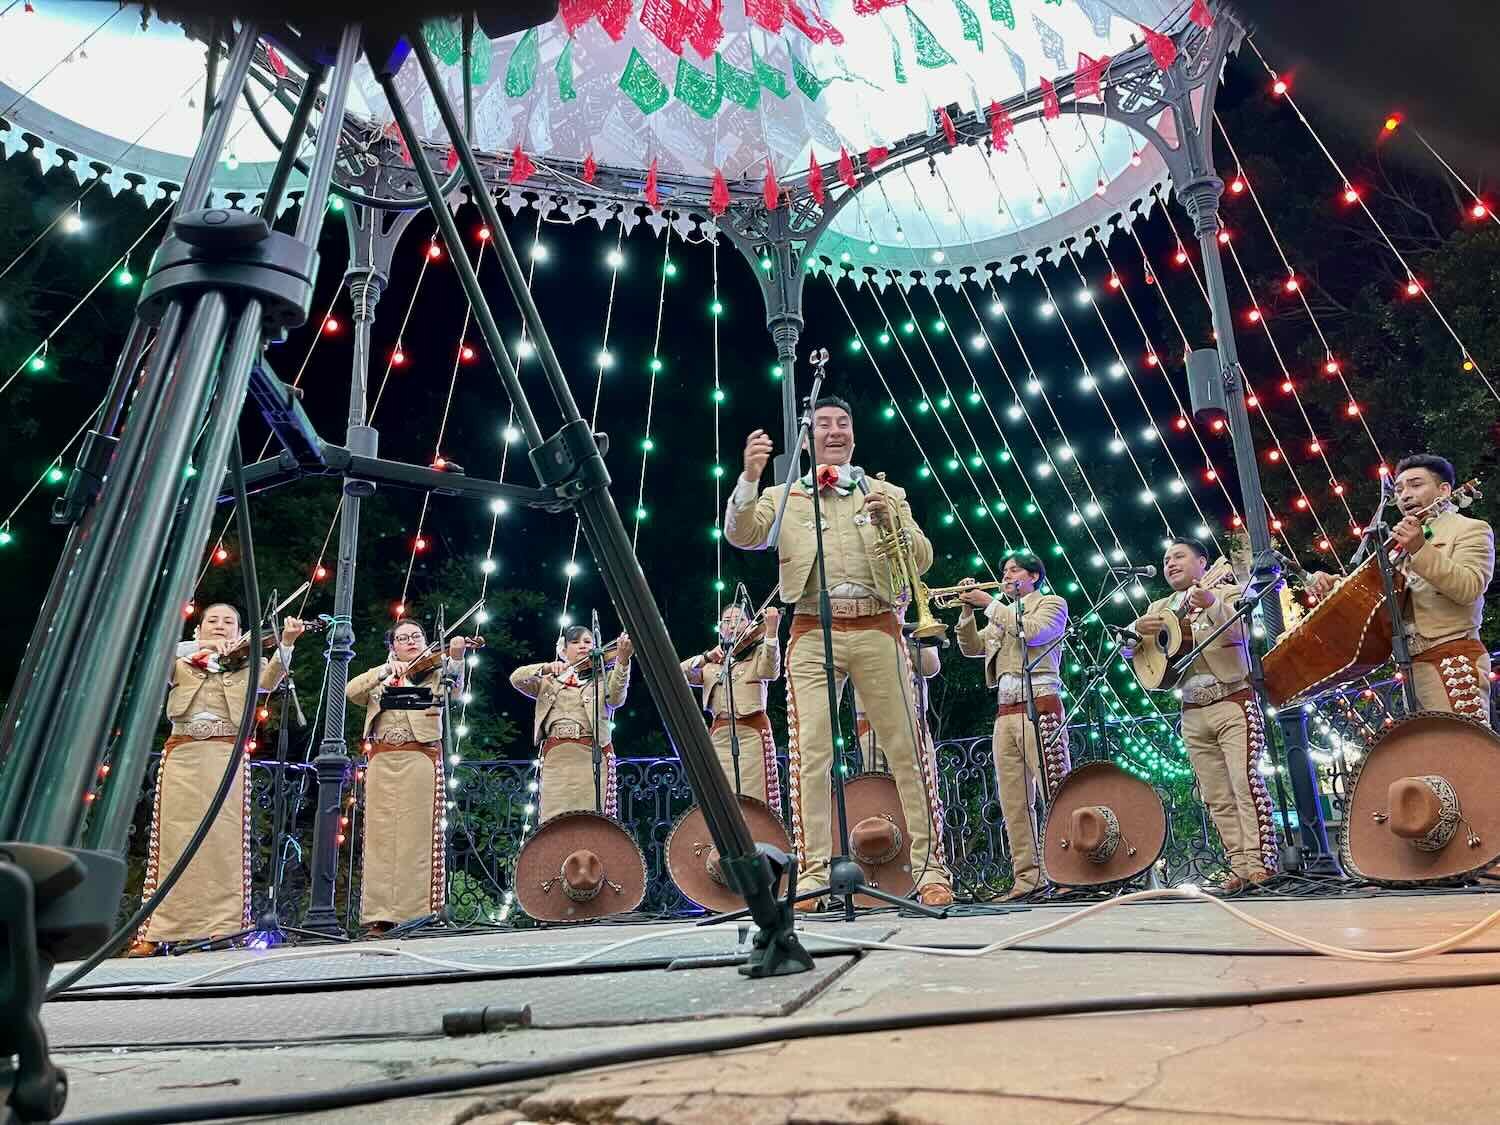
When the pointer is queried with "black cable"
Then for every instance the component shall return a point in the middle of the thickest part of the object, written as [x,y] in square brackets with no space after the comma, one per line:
[122,936]
[376,1092]
[395,980]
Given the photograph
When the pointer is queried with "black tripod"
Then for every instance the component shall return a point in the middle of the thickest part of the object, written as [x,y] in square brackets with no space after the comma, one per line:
[221,285]
[845,877]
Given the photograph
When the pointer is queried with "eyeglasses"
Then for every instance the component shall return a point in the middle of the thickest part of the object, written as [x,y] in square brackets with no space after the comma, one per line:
[414,638]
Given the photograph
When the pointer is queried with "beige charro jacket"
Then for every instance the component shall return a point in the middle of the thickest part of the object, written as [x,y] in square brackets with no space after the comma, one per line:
[751,677]
[1045,617]
[188,679]
[555,700]
[848,537]
[1227,659]
[365,690]
[1446,580]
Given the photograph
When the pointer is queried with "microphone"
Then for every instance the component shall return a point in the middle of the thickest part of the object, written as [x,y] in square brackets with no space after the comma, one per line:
[1135,571]
[1123,631]
[596,654]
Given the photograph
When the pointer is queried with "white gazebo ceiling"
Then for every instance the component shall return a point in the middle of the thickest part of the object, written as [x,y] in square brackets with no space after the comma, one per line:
[131,99]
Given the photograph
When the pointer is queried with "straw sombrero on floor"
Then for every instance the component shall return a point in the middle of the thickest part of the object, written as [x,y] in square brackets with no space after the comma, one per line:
[579,866]
[693,861]
[1105,826]
[1425,804]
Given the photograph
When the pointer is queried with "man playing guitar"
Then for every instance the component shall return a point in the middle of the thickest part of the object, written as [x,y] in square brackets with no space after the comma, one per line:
[1221,722]
[1448,560]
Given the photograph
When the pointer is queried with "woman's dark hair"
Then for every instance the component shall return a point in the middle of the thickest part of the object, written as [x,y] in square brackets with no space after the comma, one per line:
[573,633]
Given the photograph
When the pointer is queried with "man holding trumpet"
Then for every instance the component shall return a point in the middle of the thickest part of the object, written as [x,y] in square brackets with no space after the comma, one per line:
[867,643]
[1015,635]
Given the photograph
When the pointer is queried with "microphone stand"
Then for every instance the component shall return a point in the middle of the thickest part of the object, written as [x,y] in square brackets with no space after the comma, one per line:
[845,877]
[596,674]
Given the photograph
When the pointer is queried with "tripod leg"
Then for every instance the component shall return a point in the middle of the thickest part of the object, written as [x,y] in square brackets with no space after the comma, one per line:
[572,464]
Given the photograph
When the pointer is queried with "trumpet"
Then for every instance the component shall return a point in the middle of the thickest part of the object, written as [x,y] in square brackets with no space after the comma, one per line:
[894,545]
[950,597]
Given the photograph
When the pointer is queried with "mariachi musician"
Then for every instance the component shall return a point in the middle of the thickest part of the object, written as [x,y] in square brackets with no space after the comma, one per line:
[402,876]
[867,645]
[210,680]
[1027,627]
[737,705]
[1448,559]
[1221,722]
[567,721]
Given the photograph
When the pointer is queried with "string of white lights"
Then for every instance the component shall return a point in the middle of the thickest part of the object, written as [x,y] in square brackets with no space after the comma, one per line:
[1092,507]
[716,309]
[648,443]
[615,260]
[1210,470]
[1237,520]
[1119,369]
[954,514]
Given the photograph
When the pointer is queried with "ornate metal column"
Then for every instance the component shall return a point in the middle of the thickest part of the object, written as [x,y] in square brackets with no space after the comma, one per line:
[372,242]
[775,242]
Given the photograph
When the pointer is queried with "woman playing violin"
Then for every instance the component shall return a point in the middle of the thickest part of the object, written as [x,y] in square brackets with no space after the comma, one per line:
[205,703]
[566,720]
[403,873]
[756,663]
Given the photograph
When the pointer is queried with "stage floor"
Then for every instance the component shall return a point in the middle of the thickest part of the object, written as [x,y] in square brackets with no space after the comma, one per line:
[326,1021]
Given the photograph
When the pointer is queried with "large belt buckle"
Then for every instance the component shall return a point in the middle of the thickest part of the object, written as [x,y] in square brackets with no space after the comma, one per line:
[566,728]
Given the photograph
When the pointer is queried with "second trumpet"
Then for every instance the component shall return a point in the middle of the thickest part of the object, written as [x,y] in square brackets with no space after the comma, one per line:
[950,597]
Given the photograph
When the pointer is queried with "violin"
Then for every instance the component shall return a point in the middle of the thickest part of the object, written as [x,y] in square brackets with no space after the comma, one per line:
[753,633]
[584,663]
[432,659]
[238,656]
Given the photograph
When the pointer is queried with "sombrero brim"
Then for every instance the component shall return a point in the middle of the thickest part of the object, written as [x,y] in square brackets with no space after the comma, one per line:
[875,794]
[539,888]
[1463,750]
[688,848]
[1143,827]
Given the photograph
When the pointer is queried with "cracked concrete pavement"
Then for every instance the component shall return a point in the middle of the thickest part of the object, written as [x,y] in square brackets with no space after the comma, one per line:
[1417,1056]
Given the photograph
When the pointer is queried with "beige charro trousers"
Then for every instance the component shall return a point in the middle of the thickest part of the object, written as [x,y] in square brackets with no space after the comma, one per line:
[1013,744]
[1454,678]
[402,876]
[213,896]
[1224,743]
[568,778]
[870,652]
[758,776]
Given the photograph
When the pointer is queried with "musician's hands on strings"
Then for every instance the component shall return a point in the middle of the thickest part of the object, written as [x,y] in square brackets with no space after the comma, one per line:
[291,629]
[1322,584]
[757,453]
[979,599]
[623,648]
[1408,535]
[1201,598]
[456,648]
[215,645]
